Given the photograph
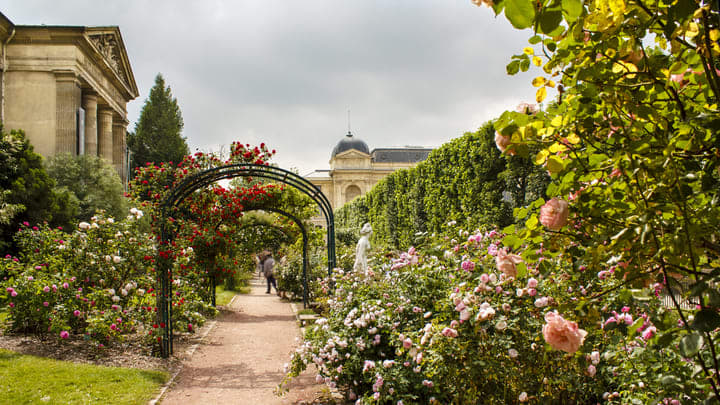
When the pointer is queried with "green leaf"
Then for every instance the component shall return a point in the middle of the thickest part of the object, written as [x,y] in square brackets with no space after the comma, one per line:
[691,344]
[572,9]
[520,13]
[555,164]
[535,39]
[549,20]
[666,338]
[706,320]
[635,326]
[513,67]
[532,222]
[714,298]
[521,269]
[669,380]
[512,241]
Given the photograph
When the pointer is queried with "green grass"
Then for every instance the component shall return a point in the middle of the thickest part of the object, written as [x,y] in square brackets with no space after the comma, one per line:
[35,380]
[222,296]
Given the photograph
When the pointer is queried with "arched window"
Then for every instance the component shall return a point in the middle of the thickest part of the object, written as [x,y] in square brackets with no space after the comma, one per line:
[351,192]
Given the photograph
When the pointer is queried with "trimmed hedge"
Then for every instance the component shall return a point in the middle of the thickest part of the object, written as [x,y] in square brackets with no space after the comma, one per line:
[466,180]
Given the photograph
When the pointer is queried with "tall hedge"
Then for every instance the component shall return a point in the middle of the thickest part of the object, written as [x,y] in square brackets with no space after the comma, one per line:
[465,180]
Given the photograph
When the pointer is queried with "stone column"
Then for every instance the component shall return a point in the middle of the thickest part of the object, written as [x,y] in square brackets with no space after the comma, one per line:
[119,129]
[67,100]
[89,103]
[105,133]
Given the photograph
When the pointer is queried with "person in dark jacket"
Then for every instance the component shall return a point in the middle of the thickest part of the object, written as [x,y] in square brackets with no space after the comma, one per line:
[269,269]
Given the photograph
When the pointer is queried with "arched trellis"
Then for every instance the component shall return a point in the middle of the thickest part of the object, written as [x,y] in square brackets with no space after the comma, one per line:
[203,179]
[272,228]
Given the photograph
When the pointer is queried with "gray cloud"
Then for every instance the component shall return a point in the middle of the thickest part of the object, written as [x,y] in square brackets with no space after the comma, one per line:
[285,73]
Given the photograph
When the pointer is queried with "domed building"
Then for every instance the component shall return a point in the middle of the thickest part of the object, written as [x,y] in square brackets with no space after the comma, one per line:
[354,168]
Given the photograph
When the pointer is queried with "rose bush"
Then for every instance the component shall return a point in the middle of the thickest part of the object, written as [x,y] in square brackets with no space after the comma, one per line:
[97,281]
[444,323]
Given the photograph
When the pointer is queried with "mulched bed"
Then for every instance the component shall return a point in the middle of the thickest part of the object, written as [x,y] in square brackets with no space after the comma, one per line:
[132,354]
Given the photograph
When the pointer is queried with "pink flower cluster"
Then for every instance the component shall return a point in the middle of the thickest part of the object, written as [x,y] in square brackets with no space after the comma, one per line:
[506,262]
[554,214]
[409,258]
[562,334]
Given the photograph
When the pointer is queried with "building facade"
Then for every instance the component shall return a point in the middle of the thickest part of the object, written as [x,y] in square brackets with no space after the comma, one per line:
[67,87]
[354,169]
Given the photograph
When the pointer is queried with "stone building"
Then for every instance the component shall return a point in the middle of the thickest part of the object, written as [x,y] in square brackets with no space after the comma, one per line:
[354,169]
[67,87]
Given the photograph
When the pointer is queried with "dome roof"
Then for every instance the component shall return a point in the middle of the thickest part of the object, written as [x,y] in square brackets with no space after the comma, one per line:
[350,142]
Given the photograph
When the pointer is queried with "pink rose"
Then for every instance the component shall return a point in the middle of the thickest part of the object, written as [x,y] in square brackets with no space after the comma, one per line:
[554,214]
[532,283]
[561,334]
[503,142]
[407,343]
[506,262]
[649,332]
[527,108]
[452,333]
[591,370]
[64,334]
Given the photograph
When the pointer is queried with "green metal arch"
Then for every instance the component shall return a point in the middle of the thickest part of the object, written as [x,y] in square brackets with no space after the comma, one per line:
[205,178]
[213,279]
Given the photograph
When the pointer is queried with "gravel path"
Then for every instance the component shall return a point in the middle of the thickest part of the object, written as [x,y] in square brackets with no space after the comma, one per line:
[241,360]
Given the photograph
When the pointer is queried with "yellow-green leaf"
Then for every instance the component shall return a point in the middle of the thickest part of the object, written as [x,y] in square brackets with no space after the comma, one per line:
[538,81]
[555,164]
[557,147]
[540,94]
[556,121]
[573,139]
[541,156]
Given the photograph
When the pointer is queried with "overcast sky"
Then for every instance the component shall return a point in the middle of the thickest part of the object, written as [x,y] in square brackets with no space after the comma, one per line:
[412,72]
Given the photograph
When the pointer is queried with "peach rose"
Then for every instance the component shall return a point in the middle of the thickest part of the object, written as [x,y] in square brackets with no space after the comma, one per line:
[561,334]
[502,142]
[506,262]
[554,214]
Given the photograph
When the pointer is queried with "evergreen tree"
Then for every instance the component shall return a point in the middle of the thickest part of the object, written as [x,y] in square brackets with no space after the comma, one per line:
[157,137]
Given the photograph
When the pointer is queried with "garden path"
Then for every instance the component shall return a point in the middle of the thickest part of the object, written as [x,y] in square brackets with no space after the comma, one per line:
[241,359]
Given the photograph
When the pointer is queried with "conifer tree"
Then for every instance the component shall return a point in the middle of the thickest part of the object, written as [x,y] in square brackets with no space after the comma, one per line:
[158,133]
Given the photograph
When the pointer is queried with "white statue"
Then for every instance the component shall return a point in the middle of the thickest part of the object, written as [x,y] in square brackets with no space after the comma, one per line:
[362,248]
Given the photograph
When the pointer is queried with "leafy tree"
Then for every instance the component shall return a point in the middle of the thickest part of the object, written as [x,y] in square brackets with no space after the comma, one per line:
[27,190]
[91,182]
[157,137]
[631,142]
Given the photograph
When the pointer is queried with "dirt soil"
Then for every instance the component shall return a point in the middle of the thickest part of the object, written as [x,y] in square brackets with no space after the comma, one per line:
[241,360]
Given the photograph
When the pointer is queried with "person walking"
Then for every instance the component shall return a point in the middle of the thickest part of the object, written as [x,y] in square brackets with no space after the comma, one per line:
[268,269]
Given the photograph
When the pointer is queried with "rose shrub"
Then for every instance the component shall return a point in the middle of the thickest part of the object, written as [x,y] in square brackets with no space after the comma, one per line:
[443,323]
[97,281]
